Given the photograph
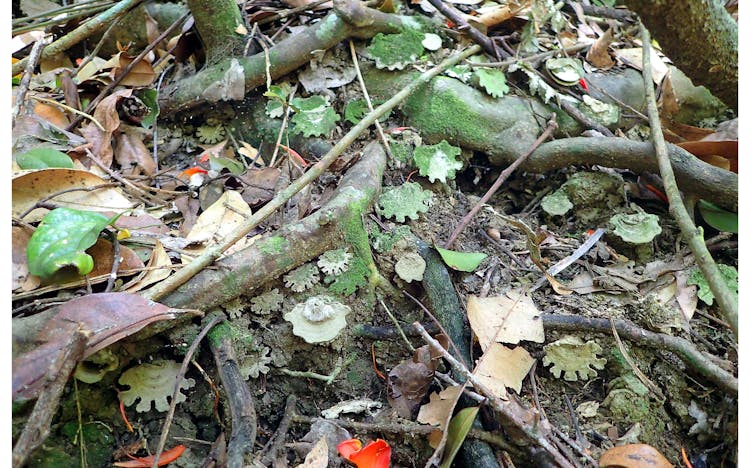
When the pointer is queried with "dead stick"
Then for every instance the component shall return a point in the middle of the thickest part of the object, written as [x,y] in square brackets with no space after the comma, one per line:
[514,417]
[694,237]
[177,387]
[552,125]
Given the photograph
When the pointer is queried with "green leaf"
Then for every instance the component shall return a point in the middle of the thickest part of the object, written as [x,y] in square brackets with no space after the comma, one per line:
[730,276]
[149,98]
[718,218]
[492,81]
[438,161]
[461,261]
[42,158]
[61,239]
[457,430]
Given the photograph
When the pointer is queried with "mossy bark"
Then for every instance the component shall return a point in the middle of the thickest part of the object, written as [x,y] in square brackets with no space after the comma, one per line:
[350,19]
[700,37]
[216,21]
[326,229]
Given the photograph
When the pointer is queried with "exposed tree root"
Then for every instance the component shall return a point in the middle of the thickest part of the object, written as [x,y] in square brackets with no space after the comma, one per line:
[297,243]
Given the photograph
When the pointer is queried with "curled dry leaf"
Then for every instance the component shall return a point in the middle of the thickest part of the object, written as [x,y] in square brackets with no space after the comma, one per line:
[106,317]
[102,253]
[21,278]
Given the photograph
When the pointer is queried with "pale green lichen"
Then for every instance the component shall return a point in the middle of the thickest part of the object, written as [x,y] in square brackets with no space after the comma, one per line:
[302,278]
[314,116]
[255,363]
[150,382]
[234,307]
[266,303]
[395,51]
[320,319]
[570,355]
[350,280]
[696,277]
[408,200]
[410,267]
[210,134]
[637,228]
[334,262]
[557,203]
[438,162]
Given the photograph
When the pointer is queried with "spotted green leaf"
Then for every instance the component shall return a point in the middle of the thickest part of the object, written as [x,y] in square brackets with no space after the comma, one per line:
[61,239]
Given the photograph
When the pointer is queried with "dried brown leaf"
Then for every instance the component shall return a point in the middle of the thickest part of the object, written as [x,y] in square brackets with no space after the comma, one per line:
[31,186]
[132,154]
[106,318]
[634,456]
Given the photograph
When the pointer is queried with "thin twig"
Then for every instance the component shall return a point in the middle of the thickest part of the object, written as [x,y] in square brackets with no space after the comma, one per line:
[69,109]
[214,252]
[82,32]
[276,442]
[97,48]
[512,413]
[177,387]
[397,326]
[38,423]
[552,125]
[682,348]
[693,236]
[463,26]
[283,126]
[23,85]
[367,98]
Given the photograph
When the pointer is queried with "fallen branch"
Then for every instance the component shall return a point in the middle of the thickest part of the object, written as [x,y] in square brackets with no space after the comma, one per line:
[242,412]
[694,237]
[349,19]
[682,348]
[213,253]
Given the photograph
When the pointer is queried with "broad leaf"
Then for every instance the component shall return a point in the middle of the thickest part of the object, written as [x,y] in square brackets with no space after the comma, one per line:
[461,261]
[42,158]
[457,430]
[718,218]
[61,239]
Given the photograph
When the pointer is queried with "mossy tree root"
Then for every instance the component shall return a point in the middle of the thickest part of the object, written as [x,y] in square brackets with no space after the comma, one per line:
[278,252]
[349,19]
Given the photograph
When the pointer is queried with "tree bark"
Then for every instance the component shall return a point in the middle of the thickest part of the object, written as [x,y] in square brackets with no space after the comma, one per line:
[216,21]
[700,37]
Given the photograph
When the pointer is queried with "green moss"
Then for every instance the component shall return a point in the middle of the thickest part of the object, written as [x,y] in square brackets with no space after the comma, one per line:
[275,245]
[328,27]
[350,280]
[440,111]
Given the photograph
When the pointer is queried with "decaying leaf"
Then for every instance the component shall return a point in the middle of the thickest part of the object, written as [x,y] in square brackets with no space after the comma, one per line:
[440,405]
[216,222]
[31,186]
[503,367]
[505,319]
[409,381]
